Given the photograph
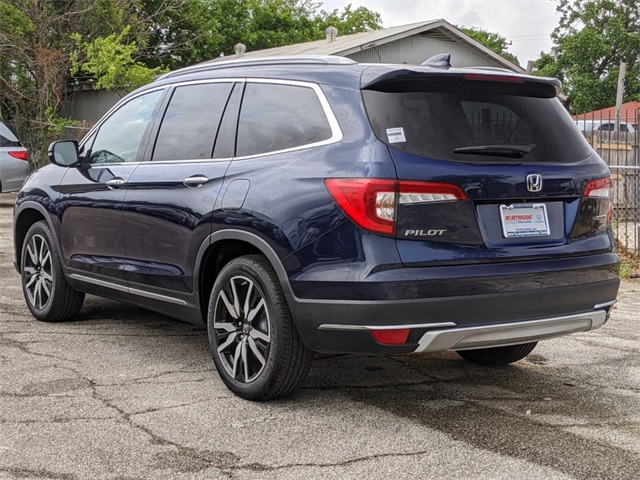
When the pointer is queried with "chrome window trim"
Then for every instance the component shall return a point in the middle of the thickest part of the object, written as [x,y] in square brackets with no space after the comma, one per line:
[112,110]
[336,132]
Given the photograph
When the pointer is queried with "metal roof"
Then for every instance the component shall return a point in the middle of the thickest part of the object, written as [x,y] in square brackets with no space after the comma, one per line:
[349,44]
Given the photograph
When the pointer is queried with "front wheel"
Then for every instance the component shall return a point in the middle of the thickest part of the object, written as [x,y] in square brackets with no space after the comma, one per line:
[49,297]
[254,344]
[498,355]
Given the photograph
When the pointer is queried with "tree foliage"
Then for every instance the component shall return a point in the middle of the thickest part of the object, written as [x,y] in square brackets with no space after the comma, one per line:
[121,44]
[111,62]
[205,29]
[592,38]
[494,41]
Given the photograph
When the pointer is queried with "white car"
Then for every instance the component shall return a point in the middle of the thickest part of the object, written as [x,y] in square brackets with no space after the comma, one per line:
[603,126]
[14,161]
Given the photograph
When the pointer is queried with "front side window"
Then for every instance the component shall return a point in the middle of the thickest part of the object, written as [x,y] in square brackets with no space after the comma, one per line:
[277,117]
[119,138]
[190,124]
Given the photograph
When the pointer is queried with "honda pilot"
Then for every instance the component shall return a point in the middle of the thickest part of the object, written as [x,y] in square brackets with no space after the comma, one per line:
[315,204]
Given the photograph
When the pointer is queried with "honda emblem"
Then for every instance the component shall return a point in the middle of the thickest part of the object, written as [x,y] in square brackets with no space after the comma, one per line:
[534,182]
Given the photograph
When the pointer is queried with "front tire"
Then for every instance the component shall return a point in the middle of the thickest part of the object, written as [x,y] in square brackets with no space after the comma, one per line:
[48,295]
[254,344]
[498,355]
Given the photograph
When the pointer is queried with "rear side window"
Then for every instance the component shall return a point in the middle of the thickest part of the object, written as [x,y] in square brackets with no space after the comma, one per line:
[471,122]
[277,117]
[191,121]
[8,136]
[5,142]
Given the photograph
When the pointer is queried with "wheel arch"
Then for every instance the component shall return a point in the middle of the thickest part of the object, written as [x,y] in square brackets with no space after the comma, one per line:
[223,246]
[26,215]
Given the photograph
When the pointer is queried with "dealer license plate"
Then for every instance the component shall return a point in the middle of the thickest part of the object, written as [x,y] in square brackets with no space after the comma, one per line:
[524,220]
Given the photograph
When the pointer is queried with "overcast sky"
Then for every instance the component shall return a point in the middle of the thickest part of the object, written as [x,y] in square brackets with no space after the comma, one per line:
[526,23]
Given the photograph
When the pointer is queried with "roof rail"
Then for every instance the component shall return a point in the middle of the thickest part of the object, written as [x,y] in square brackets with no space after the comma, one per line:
[255,62]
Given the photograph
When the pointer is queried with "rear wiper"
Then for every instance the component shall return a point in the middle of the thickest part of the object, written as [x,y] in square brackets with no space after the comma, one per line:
[511,151]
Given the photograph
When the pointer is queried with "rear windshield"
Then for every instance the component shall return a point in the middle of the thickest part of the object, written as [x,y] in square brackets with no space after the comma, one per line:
[471,121]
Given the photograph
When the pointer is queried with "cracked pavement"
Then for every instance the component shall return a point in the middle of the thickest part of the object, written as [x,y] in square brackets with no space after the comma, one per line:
[122,393]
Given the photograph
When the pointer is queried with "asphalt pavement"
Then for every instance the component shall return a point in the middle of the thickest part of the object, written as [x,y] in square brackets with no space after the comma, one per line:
[122,393]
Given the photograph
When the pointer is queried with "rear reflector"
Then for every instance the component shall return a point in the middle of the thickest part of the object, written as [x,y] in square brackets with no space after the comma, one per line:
[371,202]
[391,337]
[20,155]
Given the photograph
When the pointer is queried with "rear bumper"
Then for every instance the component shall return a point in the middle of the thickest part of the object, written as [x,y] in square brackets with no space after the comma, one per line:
[455,322]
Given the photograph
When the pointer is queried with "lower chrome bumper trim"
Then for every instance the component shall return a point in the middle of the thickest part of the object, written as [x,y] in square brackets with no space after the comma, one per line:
[500,335]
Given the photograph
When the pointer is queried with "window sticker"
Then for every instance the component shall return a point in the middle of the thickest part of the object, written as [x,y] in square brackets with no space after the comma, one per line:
[396,135]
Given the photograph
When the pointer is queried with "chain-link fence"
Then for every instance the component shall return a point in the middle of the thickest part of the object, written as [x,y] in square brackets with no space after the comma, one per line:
[617,143]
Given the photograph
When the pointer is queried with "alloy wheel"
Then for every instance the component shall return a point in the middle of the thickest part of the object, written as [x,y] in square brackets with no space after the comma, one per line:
[37,272]
[242,329]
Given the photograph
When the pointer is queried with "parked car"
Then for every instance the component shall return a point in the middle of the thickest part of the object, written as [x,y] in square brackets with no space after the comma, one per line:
[14,160]
[604,126]
[314,204]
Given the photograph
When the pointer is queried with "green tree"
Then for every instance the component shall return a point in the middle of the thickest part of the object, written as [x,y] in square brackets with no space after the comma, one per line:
[45,44]
[38,39]
[350,21]
[592,38]
[111,62]
[204,29]
[494,41]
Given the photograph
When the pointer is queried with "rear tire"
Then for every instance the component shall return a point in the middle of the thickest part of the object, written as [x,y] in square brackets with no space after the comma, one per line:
[498,355]
[48,295]
[253,341]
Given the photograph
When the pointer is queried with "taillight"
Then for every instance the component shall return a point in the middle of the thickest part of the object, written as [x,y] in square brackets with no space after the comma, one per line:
[426,192]
[371,202]
[602,188]
[20,155]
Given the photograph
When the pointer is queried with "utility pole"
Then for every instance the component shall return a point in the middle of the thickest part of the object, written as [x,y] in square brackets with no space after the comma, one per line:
[620,92]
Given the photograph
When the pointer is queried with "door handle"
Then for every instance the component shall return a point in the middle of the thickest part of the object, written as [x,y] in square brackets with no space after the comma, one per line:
[195,181]
[115,183]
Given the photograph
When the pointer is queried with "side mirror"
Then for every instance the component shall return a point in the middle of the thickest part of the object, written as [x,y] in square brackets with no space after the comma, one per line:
[64,153]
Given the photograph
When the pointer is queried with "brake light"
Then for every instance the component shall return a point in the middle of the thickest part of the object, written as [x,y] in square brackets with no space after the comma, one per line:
[20,155]
[371,202]
[493,78]
[602,188]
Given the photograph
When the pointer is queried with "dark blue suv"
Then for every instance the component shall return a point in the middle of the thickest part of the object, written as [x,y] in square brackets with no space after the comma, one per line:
[299,205]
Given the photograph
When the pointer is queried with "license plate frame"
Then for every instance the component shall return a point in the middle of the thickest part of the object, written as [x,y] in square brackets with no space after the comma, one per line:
[524,220]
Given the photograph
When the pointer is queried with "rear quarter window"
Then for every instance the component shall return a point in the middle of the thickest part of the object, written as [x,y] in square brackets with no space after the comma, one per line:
[278,117]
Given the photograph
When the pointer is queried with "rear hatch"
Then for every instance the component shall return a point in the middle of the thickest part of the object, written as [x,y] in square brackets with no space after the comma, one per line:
[490,167]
